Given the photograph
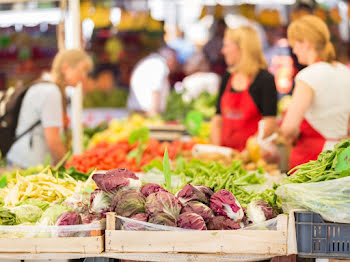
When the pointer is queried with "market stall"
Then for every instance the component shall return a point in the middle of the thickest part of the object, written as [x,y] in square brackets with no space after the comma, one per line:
[155,189]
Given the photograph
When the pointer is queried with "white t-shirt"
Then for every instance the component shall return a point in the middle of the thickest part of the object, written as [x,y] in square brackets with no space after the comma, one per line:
[150,74]
[42,101]
[330,108]
[198,83]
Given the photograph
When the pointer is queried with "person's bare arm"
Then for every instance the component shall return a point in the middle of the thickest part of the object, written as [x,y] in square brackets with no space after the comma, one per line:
[215,129]
[301,100]
[270,125]
[155,106]
[54,143]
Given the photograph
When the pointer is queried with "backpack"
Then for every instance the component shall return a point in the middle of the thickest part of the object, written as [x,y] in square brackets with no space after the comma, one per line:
[10,106]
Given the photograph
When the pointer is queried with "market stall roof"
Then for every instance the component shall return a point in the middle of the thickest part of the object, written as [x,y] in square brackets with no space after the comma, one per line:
[30,17]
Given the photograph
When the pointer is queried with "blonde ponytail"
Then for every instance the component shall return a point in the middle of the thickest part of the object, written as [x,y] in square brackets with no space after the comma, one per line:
[328,53]
[72,58]
[315,31]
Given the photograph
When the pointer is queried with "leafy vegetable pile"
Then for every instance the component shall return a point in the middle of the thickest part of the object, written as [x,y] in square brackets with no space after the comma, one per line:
[45,186]
[322,169]
[98,98]
[193,207]
[321,186]
[177,108]
[233,178]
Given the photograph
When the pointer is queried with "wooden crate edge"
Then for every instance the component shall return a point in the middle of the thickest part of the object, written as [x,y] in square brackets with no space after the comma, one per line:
[48,245]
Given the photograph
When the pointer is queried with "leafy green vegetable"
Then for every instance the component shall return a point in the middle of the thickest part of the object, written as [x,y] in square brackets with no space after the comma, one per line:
[140,135]
[322,169]
[218,176]
[166,169]
[176,109]
[43,205]
[116,97]
[330,198]
[155,163]
[7,217]
[206,104]
[64,159]
[3,182]
[50,215]
[27,213]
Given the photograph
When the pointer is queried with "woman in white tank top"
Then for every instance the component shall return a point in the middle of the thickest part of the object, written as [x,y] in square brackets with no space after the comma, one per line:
[318,116]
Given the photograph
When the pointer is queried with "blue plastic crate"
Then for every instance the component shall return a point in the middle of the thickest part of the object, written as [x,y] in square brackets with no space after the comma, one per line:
[317,238]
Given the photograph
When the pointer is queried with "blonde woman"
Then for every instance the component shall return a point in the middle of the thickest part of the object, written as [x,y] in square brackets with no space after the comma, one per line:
[45,103]
[247,93]
[319,113]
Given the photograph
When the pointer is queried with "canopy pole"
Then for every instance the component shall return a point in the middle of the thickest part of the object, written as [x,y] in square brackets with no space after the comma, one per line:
[73,41]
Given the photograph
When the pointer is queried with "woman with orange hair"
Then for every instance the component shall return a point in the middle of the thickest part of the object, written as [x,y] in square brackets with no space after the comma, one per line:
[318,116]
[247,93]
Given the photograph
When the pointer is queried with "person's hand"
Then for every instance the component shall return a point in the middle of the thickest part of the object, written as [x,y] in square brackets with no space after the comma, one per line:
[271,156]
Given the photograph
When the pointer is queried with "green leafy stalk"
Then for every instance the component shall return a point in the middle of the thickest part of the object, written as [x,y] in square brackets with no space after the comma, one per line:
[140,135]
[63,160]
[166,170]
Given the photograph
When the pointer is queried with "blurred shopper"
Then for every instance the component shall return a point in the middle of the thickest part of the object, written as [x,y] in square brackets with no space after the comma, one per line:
[319,113]
[247,92]
[183,47]
[199,78]
[43,111]
[149,83]
[212,49]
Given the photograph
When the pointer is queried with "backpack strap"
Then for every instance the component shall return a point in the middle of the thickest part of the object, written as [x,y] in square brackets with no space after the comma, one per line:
[28,130]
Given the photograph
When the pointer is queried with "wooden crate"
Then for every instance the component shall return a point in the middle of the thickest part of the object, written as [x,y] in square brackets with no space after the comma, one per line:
[86,245]
[243,242]
[92,244]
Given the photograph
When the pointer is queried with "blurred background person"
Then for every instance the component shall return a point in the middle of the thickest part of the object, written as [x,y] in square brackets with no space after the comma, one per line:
[199,78]
[212,49]
[247,92]
[43,111]
[319,113]
[149,83]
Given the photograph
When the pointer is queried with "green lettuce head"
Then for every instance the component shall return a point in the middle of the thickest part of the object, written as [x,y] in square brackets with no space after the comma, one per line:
[42,204]
[7,217]
[27,213]
[50,215]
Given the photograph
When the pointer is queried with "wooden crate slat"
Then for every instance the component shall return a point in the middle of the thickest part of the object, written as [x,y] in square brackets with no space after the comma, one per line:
[56,245]
[230,242]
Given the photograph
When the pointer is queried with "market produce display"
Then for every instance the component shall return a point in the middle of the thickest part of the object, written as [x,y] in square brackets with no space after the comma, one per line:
[192,207]
[177,108]
[42,196]
[98,98]
[215,153]
[46,186]
[321,186]
[119,130]
[322,169]
[105,156]
[245,185]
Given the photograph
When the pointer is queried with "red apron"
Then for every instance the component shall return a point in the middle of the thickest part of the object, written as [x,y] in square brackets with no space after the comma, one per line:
[309,145]
[240,117]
